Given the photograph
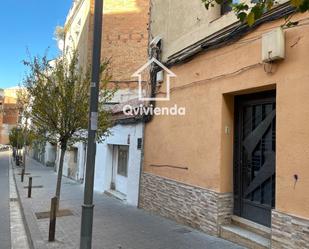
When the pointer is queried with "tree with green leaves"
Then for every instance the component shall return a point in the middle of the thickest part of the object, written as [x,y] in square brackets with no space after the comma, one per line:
[23,105]
[250,12]
[16,138]
[19,138]
[59,91]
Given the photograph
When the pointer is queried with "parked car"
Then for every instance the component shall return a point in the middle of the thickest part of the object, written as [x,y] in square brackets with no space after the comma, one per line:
[4,147]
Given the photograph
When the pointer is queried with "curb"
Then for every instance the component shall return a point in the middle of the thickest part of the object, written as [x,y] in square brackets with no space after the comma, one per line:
[22,210]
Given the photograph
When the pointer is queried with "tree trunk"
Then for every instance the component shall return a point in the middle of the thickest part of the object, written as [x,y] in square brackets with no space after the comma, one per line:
[53,212]
[25,147]
[24,156]
[60,170]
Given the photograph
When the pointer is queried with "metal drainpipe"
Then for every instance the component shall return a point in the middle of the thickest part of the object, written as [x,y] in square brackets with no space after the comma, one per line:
[146,119]
[141,165]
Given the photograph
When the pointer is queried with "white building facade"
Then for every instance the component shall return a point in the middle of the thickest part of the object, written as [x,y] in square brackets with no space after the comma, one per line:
[74,161]
[118,162]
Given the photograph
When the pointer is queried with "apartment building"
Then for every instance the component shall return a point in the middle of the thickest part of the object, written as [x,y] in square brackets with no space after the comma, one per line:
[235,165]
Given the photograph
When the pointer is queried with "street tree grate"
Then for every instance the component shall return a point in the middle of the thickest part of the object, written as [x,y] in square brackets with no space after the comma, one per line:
[182,230]
[71,183]
[39,186]
[60,213]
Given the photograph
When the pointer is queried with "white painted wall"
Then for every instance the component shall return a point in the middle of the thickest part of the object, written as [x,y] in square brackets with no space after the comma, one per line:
[50,153]
[69,161]
[103,168]
[75,22]
[124,95]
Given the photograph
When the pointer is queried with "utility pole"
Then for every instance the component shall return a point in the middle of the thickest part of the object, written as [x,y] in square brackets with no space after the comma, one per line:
[87,207]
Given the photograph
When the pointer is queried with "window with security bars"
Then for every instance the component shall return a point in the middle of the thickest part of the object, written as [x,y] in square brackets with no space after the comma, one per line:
[123,154]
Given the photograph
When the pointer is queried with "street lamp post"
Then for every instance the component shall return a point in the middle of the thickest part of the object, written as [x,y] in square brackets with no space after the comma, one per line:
[87,207]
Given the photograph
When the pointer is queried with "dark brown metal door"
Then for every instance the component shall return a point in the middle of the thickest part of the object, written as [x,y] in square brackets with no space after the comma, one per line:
[254,156]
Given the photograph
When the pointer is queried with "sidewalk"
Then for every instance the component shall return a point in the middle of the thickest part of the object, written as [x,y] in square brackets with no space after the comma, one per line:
[19,238]
[116,225]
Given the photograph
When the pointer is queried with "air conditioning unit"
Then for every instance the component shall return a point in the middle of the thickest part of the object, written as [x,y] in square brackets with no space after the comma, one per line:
[273,45]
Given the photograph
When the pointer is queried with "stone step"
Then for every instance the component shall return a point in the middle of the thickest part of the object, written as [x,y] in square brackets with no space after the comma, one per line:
[251,226]
[116,194]
[244,237]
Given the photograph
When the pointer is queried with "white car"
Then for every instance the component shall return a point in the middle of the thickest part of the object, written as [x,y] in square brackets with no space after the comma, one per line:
[4,147]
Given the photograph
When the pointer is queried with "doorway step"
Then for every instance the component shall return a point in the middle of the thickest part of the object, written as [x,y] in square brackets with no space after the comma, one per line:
[246,233]
[116,194]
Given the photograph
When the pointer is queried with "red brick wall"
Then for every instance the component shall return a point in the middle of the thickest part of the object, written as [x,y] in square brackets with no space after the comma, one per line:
[10,114]
[125,42]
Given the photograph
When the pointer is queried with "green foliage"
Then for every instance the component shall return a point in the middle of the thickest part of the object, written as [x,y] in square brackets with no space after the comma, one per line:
[59,103]
[59,33]
[23,101]
[17,137]
[303,5]
[249,13]
[251,18]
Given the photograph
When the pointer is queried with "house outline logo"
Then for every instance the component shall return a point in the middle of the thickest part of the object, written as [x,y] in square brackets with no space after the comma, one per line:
[169,75]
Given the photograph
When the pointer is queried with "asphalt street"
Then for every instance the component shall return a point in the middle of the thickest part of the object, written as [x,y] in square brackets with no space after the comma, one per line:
[5,235]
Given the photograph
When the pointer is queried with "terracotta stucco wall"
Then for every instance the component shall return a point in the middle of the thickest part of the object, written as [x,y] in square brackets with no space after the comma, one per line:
[1,110]
[1,121]
[206,86]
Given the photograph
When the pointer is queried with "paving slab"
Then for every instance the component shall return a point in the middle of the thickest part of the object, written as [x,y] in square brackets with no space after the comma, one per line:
[116,225]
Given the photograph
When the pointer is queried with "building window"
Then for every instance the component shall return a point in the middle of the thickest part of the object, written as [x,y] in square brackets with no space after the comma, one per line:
[226,6]
[123,152]
[139,143]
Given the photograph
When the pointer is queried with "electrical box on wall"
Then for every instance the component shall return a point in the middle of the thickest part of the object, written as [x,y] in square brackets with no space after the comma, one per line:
[160,77]
[273,45]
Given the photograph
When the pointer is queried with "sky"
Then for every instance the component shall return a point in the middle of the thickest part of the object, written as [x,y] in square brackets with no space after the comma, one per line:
[27,25]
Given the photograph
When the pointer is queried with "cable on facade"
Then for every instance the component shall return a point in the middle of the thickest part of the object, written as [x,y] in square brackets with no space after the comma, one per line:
[203,81]
[228,36]
[225,38]
[168,166]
